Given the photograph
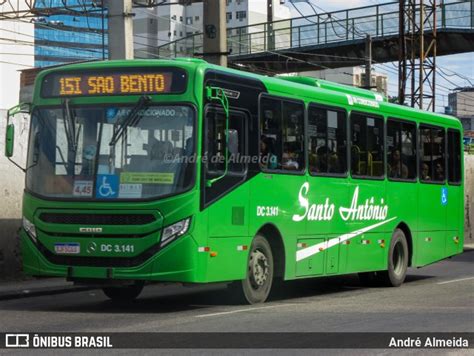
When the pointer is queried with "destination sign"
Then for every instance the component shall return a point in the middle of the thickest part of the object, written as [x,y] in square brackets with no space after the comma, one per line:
[129,82]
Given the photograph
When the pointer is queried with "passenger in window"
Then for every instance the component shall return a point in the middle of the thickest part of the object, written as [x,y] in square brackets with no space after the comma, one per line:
[162,151]
[334,164]
[439,171]
[268,159]
[188,160]
[313,161]
[188,148]
[321,161]
[425,172]
[88,160]
[355,160]
[289,159]
[397,169]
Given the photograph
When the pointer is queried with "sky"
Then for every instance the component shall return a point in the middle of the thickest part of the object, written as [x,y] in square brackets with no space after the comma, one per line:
[463,64]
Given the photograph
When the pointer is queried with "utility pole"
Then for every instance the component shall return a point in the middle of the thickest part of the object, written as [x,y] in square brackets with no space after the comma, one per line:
[215,32]
[120,29]
[270,33]
[368,62]
[402,54]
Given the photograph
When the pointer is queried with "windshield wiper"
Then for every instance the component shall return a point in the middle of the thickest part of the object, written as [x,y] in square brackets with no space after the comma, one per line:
[69,126]
[131,120]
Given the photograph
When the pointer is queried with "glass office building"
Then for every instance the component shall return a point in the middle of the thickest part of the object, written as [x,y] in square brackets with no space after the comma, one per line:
[69,31]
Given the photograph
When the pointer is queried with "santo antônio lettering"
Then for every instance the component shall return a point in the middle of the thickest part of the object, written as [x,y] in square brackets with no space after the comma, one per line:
[368,210]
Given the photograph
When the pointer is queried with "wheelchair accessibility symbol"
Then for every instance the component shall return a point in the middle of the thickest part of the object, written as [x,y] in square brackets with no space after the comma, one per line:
[107,186]
[444,196]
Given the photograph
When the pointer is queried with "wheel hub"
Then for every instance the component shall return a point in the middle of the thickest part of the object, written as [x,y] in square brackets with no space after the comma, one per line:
[258,269]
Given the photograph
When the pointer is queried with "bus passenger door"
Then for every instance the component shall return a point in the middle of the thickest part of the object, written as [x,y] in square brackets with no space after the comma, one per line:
[367,195]
[225,195]
[432,195]
[455,195]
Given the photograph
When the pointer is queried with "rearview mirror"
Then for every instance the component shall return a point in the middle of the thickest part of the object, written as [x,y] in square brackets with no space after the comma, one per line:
[9,140]
[24,108]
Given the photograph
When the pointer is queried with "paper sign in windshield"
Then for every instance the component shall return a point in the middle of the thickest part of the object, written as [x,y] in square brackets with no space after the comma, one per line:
[130,191]
[83,188]
[146,178]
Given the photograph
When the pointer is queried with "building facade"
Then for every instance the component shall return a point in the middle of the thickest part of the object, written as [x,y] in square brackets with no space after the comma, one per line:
[163,24]
[461,105]
[354,76]
[78,31]
[69,31]
[16,54]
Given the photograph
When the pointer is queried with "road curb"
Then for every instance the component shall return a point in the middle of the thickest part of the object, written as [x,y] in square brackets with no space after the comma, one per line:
[38,292]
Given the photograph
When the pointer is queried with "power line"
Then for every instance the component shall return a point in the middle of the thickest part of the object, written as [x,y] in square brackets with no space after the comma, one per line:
[16,64]
[52,48]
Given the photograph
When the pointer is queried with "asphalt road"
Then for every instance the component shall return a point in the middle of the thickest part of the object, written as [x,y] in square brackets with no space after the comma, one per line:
[437,298]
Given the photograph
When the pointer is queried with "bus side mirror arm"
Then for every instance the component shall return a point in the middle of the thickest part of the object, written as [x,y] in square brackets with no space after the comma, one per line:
[218,94]
[10,131]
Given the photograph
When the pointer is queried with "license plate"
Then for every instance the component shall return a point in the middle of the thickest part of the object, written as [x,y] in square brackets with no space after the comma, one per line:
[67,248]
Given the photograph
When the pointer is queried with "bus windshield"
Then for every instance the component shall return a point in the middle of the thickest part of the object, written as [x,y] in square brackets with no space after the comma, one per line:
[111,152]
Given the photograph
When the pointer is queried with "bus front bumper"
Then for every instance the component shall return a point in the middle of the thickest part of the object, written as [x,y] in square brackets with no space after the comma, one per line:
[177,262]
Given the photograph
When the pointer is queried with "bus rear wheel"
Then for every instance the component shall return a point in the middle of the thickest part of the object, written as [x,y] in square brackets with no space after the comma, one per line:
[255,288]
[397,261]
[123,294]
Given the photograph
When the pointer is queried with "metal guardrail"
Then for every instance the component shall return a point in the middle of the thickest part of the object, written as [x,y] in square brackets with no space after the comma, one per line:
[338,26]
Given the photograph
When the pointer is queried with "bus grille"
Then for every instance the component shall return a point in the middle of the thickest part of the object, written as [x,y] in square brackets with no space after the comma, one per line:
[97,219]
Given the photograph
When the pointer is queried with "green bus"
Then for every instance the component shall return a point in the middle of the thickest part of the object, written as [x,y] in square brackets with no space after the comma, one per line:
[146,171]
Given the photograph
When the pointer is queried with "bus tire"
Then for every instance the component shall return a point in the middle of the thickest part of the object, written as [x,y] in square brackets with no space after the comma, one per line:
[255,288]
[397,261]
[123,294]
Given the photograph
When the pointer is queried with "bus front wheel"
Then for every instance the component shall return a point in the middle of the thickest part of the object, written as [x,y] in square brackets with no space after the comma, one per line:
[123,293]
[397,260]
[255,288]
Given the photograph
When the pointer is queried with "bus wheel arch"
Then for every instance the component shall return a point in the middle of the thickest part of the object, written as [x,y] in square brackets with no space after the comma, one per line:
[275,239]
[406,230]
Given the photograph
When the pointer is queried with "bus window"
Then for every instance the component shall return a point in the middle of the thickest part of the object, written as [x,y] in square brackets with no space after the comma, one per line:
[215,151]
[454,156]
[293,137]
[432,157]
[282,135]
[327,141]
[401,150]
[270,128]
[367,146]
[216,144]
[215,141]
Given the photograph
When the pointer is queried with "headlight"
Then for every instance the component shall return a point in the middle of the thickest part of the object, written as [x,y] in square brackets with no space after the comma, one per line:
[29,228]
[174,231]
